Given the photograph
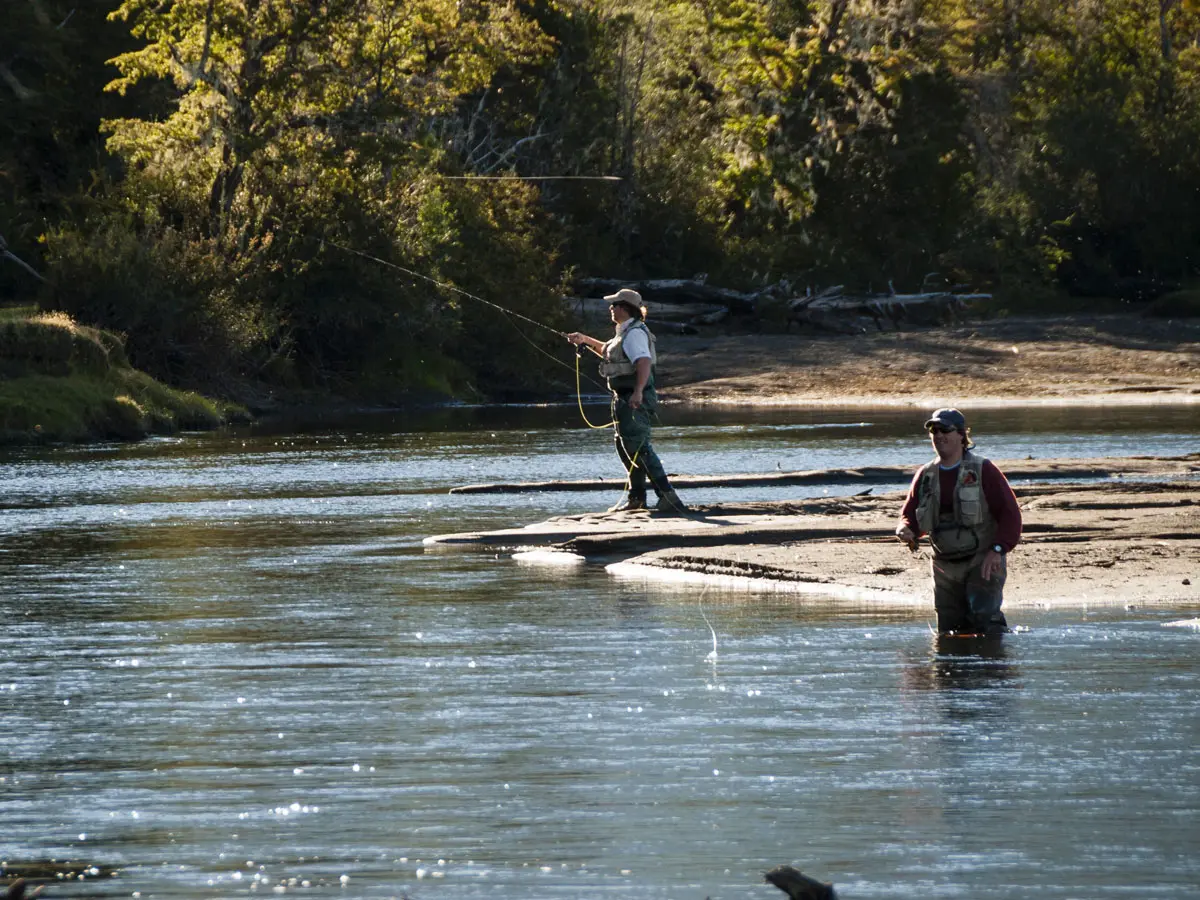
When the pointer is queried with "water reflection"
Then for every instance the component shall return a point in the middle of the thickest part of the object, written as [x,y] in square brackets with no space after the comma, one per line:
[962,663]
[232,648]
[974,675]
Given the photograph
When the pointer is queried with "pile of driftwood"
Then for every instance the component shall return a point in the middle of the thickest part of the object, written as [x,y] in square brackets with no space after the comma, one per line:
[681,305]
[832,310]
[676,305]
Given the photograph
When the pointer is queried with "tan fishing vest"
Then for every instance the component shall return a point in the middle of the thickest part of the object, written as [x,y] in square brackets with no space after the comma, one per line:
[970,528]
[617,367]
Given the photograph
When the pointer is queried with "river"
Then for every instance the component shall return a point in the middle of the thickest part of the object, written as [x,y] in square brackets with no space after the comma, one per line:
[230,667]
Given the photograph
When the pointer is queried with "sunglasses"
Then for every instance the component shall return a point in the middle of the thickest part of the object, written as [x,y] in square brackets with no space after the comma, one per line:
[940,429]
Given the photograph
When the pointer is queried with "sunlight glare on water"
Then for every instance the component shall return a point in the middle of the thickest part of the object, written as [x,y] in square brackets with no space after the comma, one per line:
[230,667]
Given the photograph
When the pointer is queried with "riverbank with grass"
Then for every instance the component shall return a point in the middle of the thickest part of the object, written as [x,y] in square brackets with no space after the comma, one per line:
[61,381]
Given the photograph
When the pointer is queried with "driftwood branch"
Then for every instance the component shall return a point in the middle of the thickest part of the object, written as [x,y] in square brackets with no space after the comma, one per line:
[5,253]
[672,315]
[833,311]
[14,84]
[672,290]
[692,302]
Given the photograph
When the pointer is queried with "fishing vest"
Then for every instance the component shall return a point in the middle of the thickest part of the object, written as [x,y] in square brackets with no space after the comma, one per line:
[617,367]
[970,527]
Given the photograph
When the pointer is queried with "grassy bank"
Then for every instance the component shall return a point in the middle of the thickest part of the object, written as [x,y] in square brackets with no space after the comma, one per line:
[61,381]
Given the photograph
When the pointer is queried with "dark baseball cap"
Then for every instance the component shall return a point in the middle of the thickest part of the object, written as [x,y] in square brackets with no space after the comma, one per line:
[947,417]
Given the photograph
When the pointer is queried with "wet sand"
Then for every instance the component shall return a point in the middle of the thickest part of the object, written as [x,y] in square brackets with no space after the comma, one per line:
[1130,539]
[1129,536]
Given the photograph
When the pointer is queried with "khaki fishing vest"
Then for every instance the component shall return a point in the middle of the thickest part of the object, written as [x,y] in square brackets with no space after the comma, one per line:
[970,528]
[617,367]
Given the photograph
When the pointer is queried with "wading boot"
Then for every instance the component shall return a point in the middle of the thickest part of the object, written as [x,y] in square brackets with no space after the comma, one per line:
[669,502]
[631,501]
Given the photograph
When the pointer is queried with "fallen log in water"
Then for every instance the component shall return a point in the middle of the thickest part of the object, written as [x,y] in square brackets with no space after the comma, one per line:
[1042,470]
[867,475]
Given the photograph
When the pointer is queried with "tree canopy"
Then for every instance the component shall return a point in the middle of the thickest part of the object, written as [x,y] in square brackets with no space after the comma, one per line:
[308,192]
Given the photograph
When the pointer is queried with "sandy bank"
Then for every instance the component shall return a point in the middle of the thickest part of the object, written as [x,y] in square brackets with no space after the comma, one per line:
[1131,538]
[1114,360]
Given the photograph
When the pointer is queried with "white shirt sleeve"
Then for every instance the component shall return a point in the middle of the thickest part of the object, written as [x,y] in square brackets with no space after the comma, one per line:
[636,345]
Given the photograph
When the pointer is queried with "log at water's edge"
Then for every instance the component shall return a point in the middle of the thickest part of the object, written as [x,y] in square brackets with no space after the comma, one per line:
[1043,470]
[868,475]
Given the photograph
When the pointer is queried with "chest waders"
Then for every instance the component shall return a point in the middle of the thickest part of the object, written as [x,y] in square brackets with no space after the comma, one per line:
[968,527]
[632,426]
[964,600]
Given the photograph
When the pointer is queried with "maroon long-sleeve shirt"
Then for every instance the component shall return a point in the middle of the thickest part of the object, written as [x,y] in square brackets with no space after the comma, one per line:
[1002,503]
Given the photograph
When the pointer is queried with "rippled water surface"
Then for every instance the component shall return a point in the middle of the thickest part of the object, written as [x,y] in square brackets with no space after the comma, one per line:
[230,667]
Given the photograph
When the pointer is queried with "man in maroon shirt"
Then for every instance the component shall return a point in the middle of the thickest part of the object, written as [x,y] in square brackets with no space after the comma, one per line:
[965,505]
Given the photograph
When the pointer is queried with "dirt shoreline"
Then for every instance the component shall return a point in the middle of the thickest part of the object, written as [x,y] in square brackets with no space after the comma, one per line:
[1084,545]
[1116,360]
[1132,539]
[1129,536]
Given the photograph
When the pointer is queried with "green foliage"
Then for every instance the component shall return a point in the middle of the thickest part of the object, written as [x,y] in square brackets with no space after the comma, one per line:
[284,194]
[122,405]
[52,66]
[54,344]
[66,382]
[1109,123]
[297,124]
[491,247]
[171,297]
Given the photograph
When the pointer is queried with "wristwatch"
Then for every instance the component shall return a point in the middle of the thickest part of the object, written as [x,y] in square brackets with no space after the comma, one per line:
[997,548]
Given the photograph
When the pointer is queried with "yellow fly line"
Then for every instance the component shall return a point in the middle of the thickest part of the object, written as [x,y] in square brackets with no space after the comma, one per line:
[610,424]
[507,312]
[579,397]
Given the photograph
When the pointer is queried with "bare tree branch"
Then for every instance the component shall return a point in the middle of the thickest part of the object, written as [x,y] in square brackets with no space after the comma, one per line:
[22,92]
[208,17]
[6,254]
[507,154]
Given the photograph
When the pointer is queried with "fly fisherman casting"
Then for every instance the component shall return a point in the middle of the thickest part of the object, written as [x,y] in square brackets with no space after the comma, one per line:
[627,361]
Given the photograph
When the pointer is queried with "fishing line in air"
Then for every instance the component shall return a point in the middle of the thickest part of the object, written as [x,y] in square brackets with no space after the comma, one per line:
[532,178]
[445,285]
[712,656]
[508,313]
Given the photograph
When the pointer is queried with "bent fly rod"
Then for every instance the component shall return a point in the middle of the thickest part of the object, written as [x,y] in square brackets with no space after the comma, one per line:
[503,309]
[442,284]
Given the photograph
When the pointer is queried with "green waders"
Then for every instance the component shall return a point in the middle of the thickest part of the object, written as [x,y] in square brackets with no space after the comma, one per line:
[632,439]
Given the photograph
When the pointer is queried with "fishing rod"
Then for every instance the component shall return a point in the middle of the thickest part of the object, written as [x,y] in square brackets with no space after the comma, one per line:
[511,313]
[503,309]
[444,285]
